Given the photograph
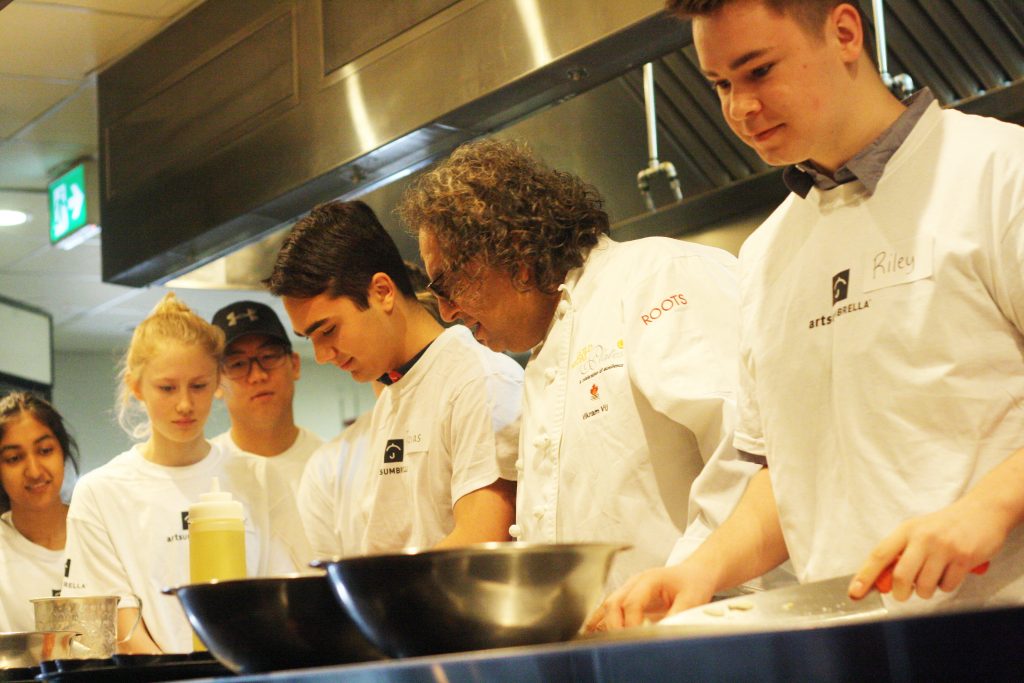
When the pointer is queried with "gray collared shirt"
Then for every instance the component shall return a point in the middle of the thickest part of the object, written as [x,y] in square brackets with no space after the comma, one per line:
[868,164]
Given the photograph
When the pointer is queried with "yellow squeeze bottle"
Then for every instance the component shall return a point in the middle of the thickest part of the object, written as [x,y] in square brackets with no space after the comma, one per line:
[216,540]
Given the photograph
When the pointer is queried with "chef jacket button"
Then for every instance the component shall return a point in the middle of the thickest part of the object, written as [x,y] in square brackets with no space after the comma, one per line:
[538,513]
[563,308]
[515,531]
[519,465]
[541,441]
[550,375]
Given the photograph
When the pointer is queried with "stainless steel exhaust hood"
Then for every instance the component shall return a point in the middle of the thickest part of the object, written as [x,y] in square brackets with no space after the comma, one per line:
[237,119]
[245,113]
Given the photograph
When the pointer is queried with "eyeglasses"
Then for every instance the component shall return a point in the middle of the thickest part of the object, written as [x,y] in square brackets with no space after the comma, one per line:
[238,366]
[437,288]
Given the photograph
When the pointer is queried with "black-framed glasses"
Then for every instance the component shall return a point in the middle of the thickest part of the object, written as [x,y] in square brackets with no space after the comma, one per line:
[238,366]
[438,288]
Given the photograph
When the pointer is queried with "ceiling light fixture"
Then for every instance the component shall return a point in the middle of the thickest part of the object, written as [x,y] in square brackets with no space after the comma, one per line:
[9,217]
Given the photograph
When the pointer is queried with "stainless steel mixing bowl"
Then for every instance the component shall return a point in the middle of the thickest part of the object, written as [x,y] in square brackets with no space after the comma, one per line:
[481,596]
[19,649]
[271,623]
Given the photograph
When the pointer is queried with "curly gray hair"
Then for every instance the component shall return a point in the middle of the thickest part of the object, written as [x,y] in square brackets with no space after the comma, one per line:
[495,201]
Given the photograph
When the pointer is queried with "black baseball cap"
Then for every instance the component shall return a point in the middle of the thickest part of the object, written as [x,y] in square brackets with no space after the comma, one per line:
[250,317]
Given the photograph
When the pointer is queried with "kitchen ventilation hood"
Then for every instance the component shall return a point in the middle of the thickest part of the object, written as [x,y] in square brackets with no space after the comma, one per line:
[245,113]
[240,117]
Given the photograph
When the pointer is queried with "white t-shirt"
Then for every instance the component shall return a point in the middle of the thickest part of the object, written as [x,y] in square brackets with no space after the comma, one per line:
[289,464]
[450,426]
[27,571]
[127,533]
[284,470]
[630,400]
[336,474]
[882,345]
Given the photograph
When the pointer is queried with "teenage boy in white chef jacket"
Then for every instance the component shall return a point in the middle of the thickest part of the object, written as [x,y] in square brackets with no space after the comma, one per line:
[882,307]
[630,388]
[438,468]
[258,375]
[330,492]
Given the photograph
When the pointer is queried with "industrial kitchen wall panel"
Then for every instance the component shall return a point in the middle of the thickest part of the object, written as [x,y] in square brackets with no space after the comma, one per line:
[250,80]
[352,28]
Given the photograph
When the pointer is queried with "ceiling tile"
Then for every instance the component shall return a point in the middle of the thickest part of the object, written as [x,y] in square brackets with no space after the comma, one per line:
[24,99]
[63,297]
[56,41]
[81,264]
[32,203]
[75,122]
[31,165]
[19,241]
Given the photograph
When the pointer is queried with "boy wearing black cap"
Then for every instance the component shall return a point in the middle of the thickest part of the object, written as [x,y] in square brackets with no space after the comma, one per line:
[258,376]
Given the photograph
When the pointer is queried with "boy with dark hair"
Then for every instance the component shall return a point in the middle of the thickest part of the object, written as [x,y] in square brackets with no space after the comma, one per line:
[439,469]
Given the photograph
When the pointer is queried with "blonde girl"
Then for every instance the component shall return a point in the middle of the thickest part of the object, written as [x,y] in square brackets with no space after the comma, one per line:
[127,526]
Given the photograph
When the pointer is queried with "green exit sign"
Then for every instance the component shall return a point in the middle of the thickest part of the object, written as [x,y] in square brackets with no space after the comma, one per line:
[73,206]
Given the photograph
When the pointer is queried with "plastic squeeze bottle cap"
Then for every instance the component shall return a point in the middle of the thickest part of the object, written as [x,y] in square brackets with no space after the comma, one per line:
[215,504]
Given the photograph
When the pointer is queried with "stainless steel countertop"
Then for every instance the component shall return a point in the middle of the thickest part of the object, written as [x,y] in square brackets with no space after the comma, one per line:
[979,645]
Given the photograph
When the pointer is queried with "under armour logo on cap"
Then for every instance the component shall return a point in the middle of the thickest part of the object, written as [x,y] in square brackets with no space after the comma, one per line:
[243,318]
[234,316]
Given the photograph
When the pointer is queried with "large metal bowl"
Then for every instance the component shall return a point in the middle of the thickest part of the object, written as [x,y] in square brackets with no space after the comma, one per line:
[267,624]
[21,649]
[481,596]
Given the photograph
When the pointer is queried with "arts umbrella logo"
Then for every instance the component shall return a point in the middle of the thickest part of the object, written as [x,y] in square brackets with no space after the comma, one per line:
[840,286]
[394,451]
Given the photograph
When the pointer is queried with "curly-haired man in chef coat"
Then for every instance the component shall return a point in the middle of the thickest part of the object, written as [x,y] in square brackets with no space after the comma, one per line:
[882,315]
[630,387]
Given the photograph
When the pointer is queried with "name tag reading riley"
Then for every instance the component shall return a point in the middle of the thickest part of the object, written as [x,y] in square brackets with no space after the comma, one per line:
[899,263]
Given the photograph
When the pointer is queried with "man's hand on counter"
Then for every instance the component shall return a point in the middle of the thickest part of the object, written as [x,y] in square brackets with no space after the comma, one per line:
[652,595]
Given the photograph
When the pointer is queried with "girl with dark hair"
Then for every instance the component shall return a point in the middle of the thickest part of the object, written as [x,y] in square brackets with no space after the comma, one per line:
[35,449]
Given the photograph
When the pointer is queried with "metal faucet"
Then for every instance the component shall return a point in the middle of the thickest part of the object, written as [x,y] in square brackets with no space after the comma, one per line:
[900,85]
[654,166]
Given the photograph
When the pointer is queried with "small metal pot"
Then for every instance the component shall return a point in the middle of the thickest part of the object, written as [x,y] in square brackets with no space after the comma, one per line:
[94,616]
[21,649]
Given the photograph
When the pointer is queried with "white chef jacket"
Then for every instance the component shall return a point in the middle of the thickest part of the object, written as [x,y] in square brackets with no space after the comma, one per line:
[448,427]
[628,396]
[882,345]
[334,476]
[27,571]
[288,465]
[128,533]
[282,472]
